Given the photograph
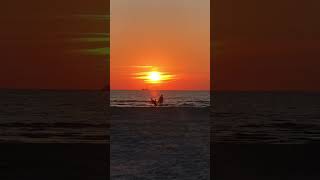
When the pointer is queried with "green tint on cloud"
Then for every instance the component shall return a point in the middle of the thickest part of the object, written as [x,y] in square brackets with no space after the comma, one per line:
[93,37]
[96,51]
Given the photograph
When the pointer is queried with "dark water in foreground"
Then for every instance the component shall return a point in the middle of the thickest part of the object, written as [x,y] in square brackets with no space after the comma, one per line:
[53,116]
[160,143]
[265,136]
[270,117]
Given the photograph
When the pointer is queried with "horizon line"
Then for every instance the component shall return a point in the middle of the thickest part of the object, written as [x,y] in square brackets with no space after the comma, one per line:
[159,89]
[102,89]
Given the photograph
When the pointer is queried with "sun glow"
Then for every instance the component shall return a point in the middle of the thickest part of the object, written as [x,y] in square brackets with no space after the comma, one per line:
[154,76]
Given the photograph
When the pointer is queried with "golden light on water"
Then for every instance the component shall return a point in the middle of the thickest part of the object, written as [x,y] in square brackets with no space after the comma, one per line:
[154,76]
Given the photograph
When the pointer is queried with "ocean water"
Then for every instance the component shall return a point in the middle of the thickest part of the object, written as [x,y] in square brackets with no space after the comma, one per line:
[265,117]
[160,143]
[236,117]
[141,98]
[54,116]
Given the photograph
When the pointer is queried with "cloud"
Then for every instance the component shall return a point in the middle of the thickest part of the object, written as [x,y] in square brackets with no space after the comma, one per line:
[91,39]
[96,51]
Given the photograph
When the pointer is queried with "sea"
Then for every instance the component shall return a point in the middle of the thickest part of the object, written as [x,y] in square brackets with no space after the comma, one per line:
[172,142]
[265,117]
[172,98]
[160,143]
[83,116]
[47,116]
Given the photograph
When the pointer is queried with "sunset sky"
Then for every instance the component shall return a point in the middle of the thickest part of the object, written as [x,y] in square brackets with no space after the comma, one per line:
[171,37]
[266,45]
[269,45]
[54,44]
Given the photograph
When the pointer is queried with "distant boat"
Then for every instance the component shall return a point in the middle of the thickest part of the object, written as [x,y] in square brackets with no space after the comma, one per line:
[145,89]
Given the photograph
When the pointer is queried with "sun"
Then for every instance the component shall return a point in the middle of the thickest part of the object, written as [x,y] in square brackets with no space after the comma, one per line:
[154,77]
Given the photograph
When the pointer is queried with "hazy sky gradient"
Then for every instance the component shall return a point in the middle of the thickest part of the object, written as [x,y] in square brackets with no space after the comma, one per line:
[43,45]
[266,45]
[173,35]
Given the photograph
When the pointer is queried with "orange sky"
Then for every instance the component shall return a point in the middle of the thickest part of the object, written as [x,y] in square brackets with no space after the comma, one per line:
[171,36]
[53,44]
[265,45]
